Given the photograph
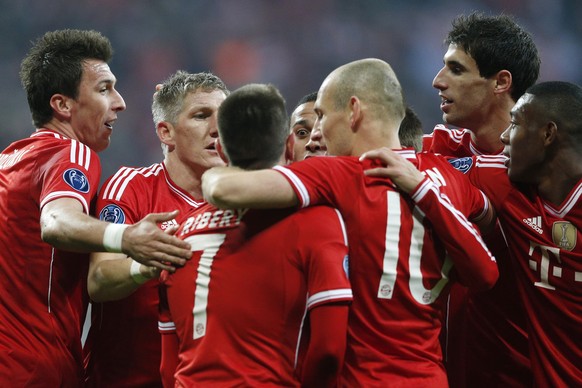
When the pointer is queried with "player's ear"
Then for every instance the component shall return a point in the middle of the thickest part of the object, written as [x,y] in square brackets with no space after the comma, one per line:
[355,113]
[503,82]
[61,105]
[165,133]
[289,148]
[220,150]
[550,132]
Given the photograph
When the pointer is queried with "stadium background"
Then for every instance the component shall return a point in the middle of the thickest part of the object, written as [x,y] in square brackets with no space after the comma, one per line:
[293,44]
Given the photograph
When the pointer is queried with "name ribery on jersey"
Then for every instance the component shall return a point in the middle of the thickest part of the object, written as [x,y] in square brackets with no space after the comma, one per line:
[216,219]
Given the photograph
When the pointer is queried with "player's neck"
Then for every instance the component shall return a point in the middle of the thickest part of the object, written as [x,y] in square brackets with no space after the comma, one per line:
[374,138]
[487,137]
[559,177]
[186,178]
[61,128]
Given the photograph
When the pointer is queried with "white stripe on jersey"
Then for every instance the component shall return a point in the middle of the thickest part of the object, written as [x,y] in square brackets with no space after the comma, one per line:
[185,197]
[166,326]
[455,135]
[63,194]
[329,295]
[117,185]
[80,154]
[574,198]
[303,193]
[446,203]
[343,226]
[491,161]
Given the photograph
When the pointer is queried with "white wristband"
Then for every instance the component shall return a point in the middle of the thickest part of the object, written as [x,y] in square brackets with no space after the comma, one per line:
[113,236]
[136,273]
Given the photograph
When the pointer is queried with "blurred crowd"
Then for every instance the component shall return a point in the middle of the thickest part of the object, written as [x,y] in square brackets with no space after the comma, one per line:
[292,44]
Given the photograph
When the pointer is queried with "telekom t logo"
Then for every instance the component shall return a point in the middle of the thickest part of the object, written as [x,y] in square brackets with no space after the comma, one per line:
[545,265]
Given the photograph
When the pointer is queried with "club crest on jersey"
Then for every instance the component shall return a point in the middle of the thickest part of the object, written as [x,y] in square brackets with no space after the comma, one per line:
[112,213]
[564,235]
[77,180]
[462,164]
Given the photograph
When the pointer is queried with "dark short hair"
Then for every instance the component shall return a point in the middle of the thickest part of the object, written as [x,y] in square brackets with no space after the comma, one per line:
[253,126]
[410,131]
[311,97]
[54,65]
[498,43]
[560,102]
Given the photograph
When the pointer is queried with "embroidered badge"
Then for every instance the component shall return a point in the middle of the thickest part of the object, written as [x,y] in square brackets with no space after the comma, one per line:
[564,235]
[77,180]
[112,213]
[462,164]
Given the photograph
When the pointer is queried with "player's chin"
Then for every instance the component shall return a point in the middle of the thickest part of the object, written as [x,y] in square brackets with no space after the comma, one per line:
[215,161]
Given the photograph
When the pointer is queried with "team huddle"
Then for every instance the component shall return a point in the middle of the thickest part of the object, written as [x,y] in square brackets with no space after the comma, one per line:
[335,247]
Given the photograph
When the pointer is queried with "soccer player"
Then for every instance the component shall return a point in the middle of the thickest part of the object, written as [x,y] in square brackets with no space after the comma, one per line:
[399,267]
[490,62]
[537,195]
[47,186]
[306,142]
[258,280]
[123,345]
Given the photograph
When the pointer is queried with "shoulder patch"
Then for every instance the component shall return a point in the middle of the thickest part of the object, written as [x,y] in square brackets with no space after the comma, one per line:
[462,164]
[77,180]
[112,213]
[346,265]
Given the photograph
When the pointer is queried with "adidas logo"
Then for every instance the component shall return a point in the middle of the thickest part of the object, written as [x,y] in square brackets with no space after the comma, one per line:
[535,223]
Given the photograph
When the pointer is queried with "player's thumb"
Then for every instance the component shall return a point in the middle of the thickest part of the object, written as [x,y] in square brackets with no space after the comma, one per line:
[161,217]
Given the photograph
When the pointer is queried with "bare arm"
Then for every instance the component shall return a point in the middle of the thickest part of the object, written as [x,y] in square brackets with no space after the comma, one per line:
[231,187]
[65,226]
[110,276]
[327,345]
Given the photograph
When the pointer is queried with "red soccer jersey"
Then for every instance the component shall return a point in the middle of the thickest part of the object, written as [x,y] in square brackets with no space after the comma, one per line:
[123,345]
[543,243]
[398,265]
[239,304]
[485,337]
[451,142]
[43,289]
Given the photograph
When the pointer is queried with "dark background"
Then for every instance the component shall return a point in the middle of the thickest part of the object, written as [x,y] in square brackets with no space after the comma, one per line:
[293,44]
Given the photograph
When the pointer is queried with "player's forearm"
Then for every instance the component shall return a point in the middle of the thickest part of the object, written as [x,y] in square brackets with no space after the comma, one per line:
[474,263]
[111,276]
[230,188]
[64,225]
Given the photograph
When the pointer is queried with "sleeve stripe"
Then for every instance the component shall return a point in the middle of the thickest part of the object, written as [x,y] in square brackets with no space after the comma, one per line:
[64,194]
[296,182]
[117,185]
[329,296]
[426,187]
[166,326]
[80,154]
[342,225]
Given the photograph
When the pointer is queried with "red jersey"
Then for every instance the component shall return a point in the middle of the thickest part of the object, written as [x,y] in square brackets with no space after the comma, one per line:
[399,267]
[44,293]
[238,306]
[543,242]
[485,337]
[451,142]
[123,345]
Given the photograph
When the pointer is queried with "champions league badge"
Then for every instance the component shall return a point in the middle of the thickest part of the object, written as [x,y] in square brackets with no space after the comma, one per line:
[564,235]
[462,164]
[112,213]
[77,180]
